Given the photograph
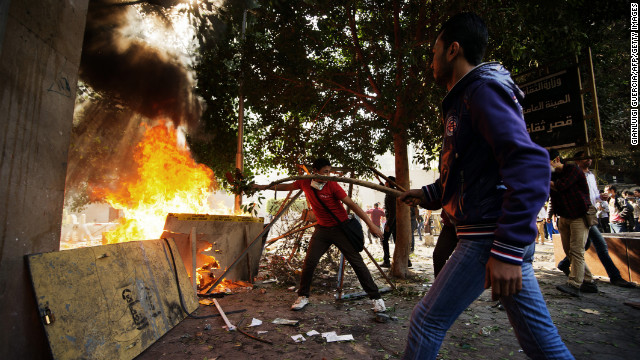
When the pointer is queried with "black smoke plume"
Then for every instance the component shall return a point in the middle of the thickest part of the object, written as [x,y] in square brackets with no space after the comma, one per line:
[149,80]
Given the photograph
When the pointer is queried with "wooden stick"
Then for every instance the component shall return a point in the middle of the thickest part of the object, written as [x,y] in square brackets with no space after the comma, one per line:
[380,269]
[291,233]
[230,326]
[367,184]
[251,336]
[375,171]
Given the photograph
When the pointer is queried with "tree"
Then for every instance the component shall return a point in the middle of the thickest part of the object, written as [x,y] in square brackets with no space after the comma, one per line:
[344,80]
[350,79]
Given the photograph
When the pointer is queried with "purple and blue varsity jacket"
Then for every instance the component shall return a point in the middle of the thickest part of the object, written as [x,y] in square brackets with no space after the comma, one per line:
[493,178]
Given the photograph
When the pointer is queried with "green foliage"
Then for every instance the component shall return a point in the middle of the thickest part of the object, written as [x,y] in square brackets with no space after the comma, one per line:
[77,199]
[273,205]
[340,78]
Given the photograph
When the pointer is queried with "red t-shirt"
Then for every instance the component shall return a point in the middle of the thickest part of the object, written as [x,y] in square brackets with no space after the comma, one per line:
[331,194]
[375,214]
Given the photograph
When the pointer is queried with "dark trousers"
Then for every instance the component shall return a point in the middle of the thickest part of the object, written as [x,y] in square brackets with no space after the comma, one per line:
[604,224]
[447,242]
[385,240]
[414,226]
[322,239]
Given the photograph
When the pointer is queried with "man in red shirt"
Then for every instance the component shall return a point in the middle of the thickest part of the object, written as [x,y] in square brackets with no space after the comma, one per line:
[376,213]
[328,231]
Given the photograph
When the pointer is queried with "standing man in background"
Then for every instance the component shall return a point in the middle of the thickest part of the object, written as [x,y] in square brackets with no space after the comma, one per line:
[375,214]
[594,235]
[570,202]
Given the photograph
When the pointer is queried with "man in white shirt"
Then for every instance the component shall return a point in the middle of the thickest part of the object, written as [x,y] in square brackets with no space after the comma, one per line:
[602,212]
[541,220]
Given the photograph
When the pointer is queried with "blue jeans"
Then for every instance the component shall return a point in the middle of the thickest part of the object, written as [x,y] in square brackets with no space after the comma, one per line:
[549,227]
[459,283]
[618,227]
[602,250]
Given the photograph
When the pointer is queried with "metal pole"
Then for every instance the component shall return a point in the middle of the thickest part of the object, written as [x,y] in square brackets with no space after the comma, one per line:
[240,149]
[340,276]
[194,276]
[584,117]
[594,95]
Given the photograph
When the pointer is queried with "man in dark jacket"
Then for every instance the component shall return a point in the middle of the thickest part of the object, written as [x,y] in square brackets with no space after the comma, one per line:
[390,225]
[493,180]
[570,201]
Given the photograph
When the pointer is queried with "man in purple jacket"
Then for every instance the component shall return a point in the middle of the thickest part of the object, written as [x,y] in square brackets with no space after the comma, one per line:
[493,180]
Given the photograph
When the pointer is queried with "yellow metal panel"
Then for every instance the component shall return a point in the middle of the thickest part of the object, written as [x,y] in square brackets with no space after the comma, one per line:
[111,301]
[206,217]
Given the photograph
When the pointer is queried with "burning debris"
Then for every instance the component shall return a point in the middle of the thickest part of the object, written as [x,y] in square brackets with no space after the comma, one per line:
[135,103]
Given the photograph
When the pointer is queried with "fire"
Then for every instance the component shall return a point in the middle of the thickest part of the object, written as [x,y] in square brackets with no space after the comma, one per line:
[168,181]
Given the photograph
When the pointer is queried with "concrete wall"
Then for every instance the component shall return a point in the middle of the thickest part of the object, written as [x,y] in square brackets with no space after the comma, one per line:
[39,56]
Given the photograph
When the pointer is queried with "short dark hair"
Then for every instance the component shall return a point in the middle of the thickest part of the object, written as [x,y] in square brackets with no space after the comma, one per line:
[320,162]
[553,154]
[391,178]
[470,31]
[612,187]
[376,204]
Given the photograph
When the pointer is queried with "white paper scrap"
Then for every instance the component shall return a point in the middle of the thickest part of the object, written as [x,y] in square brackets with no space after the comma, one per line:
[330,333]
[298,338]
[262,332]
[332,338]
[255,322]
[312,332]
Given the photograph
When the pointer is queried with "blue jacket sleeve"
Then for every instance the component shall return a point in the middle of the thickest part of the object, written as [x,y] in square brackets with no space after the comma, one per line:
[433,194]
[523,165]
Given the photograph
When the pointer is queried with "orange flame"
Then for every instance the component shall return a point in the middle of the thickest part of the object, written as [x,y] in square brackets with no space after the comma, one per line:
[168,181]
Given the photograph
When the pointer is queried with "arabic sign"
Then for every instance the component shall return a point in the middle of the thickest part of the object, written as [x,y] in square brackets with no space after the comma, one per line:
[553,110]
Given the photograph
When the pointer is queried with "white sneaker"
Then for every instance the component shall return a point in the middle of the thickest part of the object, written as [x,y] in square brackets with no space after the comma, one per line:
[378,305]
[301,302]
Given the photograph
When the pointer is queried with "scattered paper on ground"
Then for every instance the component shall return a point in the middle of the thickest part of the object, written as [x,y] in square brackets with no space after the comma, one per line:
[298,338]
[255,322]
[332,337]
[312,332]
[285,322]
[590,311]
[262,332]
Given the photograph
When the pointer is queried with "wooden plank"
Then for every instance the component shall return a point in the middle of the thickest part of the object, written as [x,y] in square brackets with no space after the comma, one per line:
[111,301]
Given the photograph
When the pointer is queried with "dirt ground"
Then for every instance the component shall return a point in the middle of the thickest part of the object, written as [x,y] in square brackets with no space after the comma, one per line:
[596,326]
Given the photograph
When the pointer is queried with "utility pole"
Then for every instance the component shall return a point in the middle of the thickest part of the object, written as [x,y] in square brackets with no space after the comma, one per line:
[240,149]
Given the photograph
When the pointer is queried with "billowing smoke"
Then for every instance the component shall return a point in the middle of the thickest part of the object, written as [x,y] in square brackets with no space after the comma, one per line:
[150,80]
[128,79]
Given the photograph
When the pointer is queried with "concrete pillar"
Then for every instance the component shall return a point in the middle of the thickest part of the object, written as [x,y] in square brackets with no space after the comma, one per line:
[40,47]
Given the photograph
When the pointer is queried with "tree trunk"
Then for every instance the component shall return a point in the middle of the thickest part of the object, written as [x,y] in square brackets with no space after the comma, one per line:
[403,218]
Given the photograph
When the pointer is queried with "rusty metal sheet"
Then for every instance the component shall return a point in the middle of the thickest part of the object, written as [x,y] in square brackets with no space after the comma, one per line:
[225,235]
[111,301]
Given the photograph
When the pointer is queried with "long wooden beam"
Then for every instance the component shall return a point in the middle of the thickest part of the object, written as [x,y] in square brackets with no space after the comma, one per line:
[367,184]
